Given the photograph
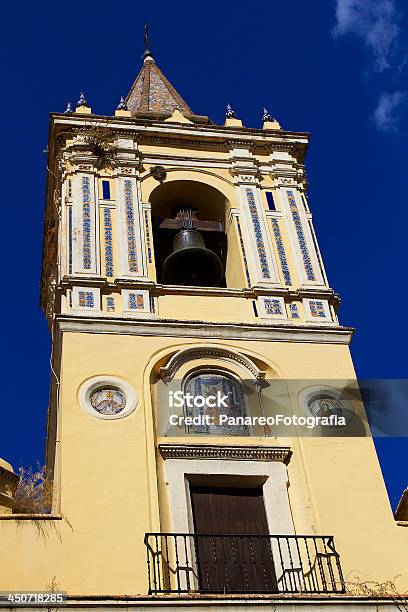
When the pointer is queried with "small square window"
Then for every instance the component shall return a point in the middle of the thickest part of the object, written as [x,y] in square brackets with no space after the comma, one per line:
[106,190]
[270,200]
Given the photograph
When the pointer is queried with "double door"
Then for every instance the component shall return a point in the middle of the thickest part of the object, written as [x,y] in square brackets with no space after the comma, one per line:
[233,548]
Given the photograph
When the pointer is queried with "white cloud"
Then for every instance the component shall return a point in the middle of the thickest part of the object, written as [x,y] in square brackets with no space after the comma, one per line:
[386,115]
[374,21]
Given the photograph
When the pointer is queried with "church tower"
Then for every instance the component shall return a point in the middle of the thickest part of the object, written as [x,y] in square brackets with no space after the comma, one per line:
[180,256]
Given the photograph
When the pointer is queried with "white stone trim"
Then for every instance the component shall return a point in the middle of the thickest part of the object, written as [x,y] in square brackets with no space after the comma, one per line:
[77,229]
[209,352]
[249,238]
[200,329]
[275,492]
[276,499]
[122,236]
[97,382]
[293,238]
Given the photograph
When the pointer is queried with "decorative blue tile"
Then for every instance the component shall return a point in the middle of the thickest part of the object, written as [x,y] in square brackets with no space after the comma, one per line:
[130,227]
[317,309]
[273,307]
[148,237]
[86,222]
[241,241]
[258,234]
[86,299]
[136,301]
[69,239]
[294,312]
[110,304]
[107,220]
[281,252]
[301,237]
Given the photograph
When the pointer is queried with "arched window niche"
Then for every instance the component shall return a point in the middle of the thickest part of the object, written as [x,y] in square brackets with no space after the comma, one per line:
[203,372]
[228,399]
[205,212]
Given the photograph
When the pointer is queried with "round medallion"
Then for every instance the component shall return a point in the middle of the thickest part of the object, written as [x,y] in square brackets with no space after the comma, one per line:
[107,397]
[108,401]
[325,406]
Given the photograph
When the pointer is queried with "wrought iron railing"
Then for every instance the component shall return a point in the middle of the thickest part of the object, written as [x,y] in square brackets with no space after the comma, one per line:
[208,563]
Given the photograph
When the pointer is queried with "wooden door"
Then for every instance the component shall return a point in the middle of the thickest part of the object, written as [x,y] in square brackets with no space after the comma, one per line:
[231,555]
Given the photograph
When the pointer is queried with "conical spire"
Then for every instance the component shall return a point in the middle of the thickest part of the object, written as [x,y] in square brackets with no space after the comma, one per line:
[152,92]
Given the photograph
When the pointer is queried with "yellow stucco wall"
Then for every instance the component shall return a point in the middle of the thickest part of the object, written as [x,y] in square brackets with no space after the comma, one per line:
[109,481]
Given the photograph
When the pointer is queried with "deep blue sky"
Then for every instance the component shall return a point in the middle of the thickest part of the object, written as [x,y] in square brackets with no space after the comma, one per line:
[279,54]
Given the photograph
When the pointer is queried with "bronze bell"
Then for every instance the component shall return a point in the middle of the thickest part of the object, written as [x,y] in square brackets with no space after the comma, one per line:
[191,263]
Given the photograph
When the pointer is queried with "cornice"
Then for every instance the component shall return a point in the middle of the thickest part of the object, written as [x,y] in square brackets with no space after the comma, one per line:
[176,328]
[238,136]
[225,453]
[158,289]
[9,476]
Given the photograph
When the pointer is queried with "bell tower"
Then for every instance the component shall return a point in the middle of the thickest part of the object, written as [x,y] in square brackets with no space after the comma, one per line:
[181,255]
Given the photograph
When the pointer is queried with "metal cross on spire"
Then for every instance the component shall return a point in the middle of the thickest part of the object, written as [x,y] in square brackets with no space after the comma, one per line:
[147,52]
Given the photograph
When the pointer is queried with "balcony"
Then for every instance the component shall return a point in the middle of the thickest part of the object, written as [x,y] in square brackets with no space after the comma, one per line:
[208,563]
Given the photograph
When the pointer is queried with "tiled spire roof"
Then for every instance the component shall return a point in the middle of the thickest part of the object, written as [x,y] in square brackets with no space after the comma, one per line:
[152,93]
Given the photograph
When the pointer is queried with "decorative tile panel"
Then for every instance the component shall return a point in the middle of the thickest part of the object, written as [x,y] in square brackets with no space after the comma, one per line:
[136,301]
[244,257]
[86,299]
[294,311]
[148,237]
[110,304]
[272,307]
[107,222]
[301,237]
[317,308]
[319,259]
[86,222]
[69,239]
[130,226]
[263,260]
[281,252]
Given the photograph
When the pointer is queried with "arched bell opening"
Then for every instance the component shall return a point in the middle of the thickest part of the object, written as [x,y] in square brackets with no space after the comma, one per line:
[190,242]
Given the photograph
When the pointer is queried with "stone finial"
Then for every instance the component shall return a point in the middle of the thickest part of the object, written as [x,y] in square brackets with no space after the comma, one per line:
[231,119]
[122,104]
[269,123]
[266,116]
[230,114]
[68,109]
[82,101]
[122,109]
